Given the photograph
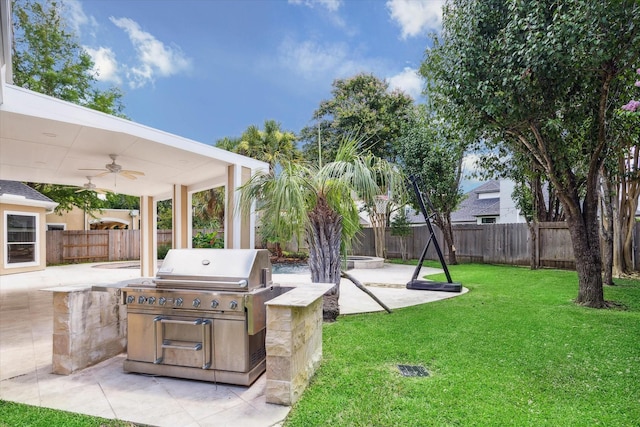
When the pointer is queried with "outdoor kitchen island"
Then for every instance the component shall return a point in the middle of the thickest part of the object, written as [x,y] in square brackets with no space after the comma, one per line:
[202,317]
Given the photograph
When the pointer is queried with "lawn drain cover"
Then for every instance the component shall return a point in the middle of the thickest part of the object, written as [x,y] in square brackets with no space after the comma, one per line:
[413,371]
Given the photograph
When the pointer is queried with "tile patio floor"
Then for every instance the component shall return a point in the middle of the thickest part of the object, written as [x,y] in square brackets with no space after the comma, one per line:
[26,329]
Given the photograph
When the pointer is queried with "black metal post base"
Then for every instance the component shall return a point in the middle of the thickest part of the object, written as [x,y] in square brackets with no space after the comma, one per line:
[425,285]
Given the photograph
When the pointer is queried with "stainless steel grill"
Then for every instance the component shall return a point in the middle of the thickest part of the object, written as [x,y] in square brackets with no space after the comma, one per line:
[202,317]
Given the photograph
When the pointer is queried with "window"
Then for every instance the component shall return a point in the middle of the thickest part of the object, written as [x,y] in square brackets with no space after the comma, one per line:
[56,227]
[22,239]
[487,220]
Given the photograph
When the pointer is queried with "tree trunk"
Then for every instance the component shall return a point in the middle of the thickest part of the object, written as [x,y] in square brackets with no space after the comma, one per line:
[444,224]
[586,248]
[533,248]
[605,195]
[378,222]
[323,238]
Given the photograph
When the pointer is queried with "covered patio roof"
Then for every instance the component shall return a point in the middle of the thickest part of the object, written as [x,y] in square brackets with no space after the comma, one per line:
[43,139]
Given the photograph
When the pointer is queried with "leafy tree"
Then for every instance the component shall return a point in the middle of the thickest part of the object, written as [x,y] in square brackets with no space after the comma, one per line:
[361,105]
[68,197]
[318,202]
[48,59]
[121,201]
[208,208]
[165,215]
[541,77]
[432,150]
[401,227]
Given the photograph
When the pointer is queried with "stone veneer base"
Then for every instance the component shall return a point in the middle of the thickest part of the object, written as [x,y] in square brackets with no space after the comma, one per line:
[293,341]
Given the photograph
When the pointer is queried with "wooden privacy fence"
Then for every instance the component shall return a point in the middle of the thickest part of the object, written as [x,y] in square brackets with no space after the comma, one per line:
[491,244]
[73,246]
[487,243]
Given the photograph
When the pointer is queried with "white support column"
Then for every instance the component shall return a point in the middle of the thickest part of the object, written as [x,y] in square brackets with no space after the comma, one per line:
[148,237]
[239,231]
[181,212]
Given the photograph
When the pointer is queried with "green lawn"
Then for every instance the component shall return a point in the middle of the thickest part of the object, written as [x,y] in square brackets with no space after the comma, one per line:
[19,415]
[514,351]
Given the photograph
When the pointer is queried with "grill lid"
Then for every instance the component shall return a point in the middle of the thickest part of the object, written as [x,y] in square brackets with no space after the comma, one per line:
[228,269]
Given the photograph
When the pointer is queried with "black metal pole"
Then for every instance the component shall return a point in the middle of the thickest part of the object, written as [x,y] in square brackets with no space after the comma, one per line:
[423,208]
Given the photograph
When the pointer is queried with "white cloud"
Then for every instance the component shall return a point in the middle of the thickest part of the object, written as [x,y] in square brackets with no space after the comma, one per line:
[330,5]
[409,81]
[416,17]
[315,62]
[154,56]
[75,14]
[105,64]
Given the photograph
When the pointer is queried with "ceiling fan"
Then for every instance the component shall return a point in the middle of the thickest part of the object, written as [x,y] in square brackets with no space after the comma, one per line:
[90,186]
[116,169]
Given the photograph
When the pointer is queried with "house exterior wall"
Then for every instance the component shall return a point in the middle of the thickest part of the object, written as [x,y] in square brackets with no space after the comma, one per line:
[41,254]
[509,213]
[76,219]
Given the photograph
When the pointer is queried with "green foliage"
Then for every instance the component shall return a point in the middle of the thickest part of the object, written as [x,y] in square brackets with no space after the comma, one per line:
[361,105]
[319,202]
[400,225]
[165,215]
[208,208]
[207,240]
[271,145]
[121,201]
[68,197]
[48,59]
[514,351]
[432,149]
[162,251]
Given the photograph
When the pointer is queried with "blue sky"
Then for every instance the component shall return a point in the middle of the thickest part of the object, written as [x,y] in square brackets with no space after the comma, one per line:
[206,69]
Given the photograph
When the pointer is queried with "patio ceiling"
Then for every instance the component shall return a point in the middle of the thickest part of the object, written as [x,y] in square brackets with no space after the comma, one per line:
[46,140]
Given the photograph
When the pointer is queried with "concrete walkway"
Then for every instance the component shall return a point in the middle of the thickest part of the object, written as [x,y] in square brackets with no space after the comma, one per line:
[26,329]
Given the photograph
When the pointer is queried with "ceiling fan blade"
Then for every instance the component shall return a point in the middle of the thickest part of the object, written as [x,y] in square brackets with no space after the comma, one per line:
[100,170]
[104,172]
[127,175]
[130,172]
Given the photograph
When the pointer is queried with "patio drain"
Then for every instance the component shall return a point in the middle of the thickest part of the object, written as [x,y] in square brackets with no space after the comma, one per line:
[413,371]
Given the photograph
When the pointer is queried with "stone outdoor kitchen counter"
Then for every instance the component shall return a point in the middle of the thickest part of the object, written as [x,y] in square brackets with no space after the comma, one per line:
[294,341]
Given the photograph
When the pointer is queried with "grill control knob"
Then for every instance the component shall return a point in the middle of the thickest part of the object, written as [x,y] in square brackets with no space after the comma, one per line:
[151,300]
[178,302]
[130,299]
[214,303]
[162,301]
[196,303]
[233,305]
[142,299]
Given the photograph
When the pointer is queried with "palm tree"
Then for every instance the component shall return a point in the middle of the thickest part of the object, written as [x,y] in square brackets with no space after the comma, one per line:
[271,145]
[319,202]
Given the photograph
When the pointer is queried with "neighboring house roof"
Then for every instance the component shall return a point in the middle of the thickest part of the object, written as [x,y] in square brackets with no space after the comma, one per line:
[17,193]
[471,207]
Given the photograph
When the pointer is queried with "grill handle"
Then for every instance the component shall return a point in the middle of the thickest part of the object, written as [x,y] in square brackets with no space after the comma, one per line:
[160,342]
[240,283]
